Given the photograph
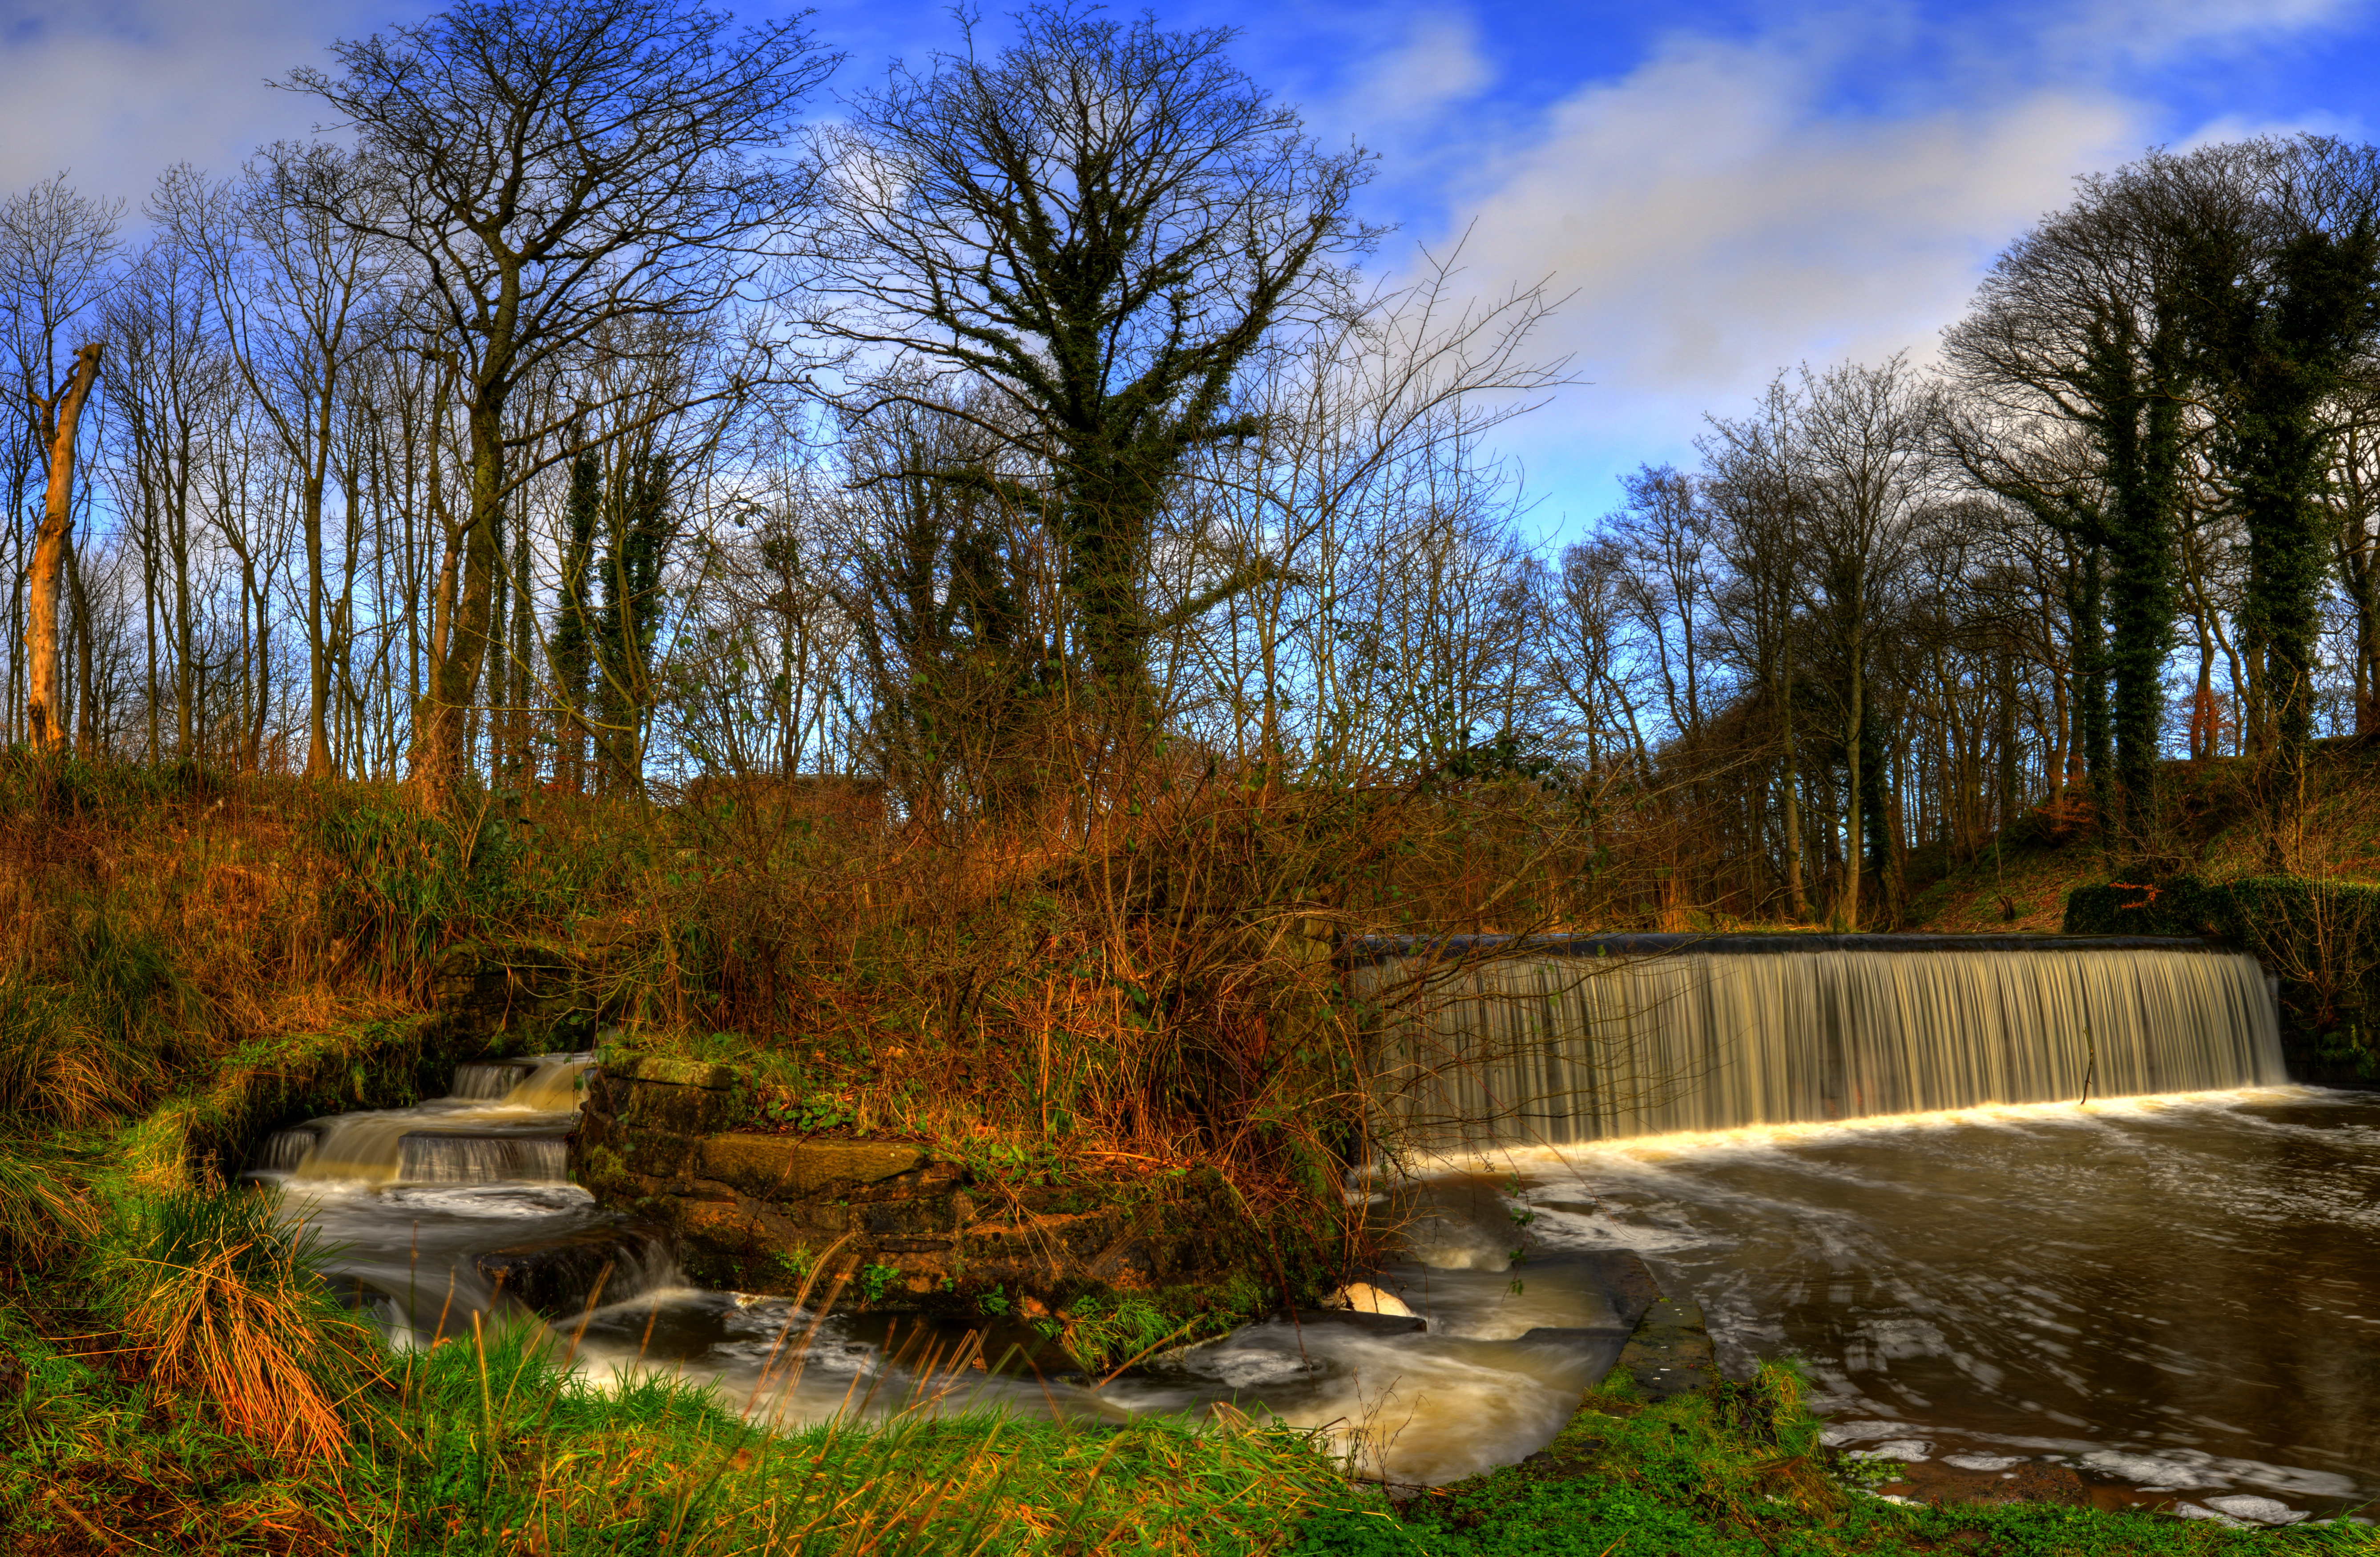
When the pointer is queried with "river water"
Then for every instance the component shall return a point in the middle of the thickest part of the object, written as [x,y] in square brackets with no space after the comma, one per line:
[2179,1295]
[2176,1294]
[404,1200]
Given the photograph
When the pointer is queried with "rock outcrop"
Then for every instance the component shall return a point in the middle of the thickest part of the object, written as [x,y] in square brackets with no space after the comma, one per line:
[668,1140]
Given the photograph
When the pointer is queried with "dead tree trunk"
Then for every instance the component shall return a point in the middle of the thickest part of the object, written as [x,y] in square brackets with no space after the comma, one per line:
[60,414]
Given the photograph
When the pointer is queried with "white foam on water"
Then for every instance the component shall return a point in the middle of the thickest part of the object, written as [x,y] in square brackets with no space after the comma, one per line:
[1698,1149]
[1982,1462]
[2263,1511]
[2192,1511]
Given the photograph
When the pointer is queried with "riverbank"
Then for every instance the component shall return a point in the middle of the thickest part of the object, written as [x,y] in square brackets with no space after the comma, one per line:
[119,1442]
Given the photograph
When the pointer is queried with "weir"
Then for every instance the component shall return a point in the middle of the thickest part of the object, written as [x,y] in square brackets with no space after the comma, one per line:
[1485,1041]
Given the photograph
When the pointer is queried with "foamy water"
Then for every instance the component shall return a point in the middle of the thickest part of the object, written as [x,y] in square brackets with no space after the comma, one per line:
[2180,1292]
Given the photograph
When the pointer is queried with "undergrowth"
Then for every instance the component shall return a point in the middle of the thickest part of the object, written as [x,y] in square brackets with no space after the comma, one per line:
[123,1435]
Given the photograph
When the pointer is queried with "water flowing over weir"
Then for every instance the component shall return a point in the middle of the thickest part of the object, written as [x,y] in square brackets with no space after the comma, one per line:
[420,1209]
[1488,1041]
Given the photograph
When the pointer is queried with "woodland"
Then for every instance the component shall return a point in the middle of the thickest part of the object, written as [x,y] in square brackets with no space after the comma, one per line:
[600,408]
[961,589]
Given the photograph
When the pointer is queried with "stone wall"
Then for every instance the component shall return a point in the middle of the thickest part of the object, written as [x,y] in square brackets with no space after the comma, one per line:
[2319,939]
[664,1139]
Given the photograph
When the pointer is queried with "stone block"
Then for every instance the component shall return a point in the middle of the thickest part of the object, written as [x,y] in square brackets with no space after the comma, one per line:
[661,1071]
[786,1167]
[1669,1351]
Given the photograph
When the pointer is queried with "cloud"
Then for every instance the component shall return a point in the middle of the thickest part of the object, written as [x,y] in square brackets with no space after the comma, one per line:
[1713,219]
[1829,186]
[115,92]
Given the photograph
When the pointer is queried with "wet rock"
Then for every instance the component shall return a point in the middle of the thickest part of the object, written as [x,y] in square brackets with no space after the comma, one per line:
[754,1211]
[2263,1511]
[558,1277]
[1670,1354]
[1949,1480]
[1363,1297]
[791,1167]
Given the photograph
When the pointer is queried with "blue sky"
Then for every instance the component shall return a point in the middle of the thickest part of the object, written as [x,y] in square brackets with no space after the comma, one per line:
[1722,190]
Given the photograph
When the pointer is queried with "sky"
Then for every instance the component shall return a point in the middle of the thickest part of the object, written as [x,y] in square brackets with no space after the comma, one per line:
[1718,190]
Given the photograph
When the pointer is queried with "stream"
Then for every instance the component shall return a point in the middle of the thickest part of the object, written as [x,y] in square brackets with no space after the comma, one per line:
[2177,1296]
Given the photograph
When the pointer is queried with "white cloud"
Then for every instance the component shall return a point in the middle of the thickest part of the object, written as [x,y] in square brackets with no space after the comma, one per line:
[1829,186]
[1715,220]
[117,91]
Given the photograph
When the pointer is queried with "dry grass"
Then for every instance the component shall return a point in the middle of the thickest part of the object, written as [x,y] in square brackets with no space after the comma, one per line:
[44,1212]
[225,1312]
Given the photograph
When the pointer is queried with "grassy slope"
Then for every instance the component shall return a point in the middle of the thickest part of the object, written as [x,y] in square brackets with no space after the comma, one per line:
[2214,828]
[185,959]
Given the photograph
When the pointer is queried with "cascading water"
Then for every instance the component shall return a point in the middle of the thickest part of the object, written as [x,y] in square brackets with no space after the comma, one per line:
[406,1199]
[1497,1043]
[2013,1282]
[1876,1154]
[416,1204]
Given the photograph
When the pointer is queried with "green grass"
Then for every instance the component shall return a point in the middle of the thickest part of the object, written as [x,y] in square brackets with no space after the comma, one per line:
[130,1434]
[490,1445]
[1738,1472]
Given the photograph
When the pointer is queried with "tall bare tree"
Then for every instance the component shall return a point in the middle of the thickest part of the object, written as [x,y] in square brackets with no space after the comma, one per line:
[56,248]
[553,168]
[1096,227]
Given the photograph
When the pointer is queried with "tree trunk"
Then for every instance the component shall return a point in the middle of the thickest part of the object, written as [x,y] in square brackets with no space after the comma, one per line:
[319,762]
[1848,913]
[45,728]
[438,746]
[1797,901]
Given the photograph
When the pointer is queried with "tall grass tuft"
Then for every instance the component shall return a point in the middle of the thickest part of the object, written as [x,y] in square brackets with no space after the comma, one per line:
[92,1042]
[230,1312]
[42,1215]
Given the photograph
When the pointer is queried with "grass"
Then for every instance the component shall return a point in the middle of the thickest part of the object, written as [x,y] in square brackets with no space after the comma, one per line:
[492,1446]
[186,959]
[1738,1472]
[188,1391]
[229,1313]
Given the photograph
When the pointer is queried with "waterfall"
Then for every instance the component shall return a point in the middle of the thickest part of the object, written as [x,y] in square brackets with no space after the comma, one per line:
[427,1158]
[487,1129]
[488,1082]
[1487,1040]
[283,1149]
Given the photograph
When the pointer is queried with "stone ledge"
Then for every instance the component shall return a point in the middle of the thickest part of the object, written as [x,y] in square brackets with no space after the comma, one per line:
[790,1166]
[1669,1353]
[671,1072]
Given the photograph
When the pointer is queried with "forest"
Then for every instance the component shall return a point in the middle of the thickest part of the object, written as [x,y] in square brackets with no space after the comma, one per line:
[601,408]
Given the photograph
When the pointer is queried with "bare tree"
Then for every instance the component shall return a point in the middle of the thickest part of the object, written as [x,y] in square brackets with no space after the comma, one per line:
[1758,493]
[553,168]
[1869,436]
[1097,226]
[56,248]
[299,282]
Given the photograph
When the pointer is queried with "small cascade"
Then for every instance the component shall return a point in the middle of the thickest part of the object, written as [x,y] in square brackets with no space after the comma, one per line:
[1491,1042]
[488,1082]
[461,1206]
[444,1159]
[283,1149]
[553,1084]
[503,1121]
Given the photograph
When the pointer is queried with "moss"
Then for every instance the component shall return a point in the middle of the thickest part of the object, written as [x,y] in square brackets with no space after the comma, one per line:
[2322,937]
